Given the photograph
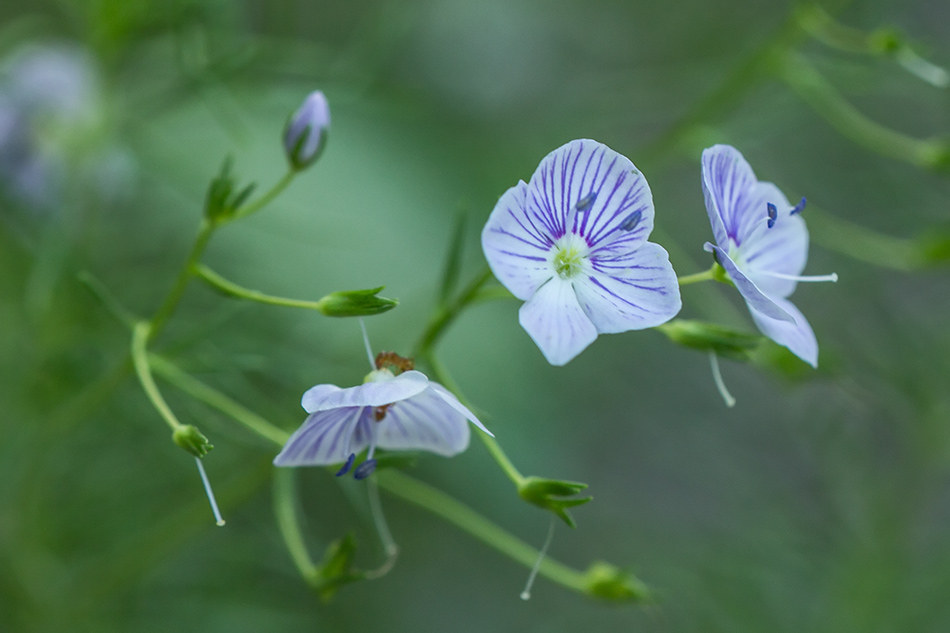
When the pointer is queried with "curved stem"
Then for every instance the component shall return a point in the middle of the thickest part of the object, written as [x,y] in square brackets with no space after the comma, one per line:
[706,275]
[267,198]
[230,288]
[445,315]
[288,524]
[140,335]
[466,519]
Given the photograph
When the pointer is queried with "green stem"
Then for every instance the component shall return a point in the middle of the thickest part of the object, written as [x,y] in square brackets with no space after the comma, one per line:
[289,526]
[267,198]
[217,400]
[230,288]
[466,519]
[706,275]
[140,336]
[446,314]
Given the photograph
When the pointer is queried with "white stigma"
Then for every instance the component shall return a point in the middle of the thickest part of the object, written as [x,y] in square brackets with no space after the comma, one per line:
[369,349]
[833,277]
[526,594]
[214,504]
[717,378]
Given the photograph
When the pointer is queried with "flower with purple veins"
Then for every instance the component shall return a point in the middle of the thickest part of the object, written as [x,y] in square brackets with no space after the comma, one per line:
[573,245]
[396,408]
[762,243]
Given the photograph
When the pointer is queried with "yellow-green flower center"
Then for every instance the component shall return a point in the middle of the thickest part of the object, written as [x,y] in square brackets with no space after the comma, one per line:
[568,260]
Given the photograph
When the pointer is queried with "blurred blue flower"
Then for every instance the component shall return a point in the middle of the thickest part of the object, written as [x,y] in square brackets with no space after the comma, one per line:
[396,408]
[762,242]
[573,245]
[305,136]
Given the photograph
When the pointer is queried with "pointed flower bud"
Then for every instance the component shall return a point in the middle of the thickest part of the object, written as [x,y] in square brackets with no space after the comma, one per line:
[305,136]
[605,581]
[348,303]
[192,440]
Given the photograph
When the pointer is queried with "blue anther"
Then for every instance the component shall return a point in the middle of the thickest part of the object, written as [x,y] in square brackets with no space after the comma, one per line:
[584,204]
[365,469]
[347,465]
[773,213]
[631,221]
[798,207]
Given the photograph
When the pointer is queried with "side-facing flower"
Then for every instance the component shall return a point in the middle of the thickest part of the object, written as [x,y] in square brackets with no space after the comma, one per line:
[396,408]
[573,245]
[305,136]
[762,243]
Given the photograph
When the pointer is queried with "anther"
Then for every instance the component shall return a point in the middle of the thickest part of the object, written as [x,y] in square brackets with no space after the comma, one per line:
[798,207]
[631,221]
[347,465]
[772,212]
[584,204]
[365,469]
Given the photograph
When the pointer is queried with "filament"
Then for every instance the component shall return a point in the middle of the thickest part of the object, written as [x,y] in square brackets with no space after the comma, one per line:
[717,378]
[526,594]
[833,277]
[214,504]
[369,349]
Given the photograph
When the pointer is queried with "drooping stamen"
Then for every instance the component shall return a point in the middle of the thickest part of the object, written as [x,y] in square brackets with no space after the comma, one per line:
[369,350]
[347,466]
[365,469]
[631,221]
[833,277]
[526,594]
[584,204]
[717,378]
[772,213]
[214,504]
[798,207]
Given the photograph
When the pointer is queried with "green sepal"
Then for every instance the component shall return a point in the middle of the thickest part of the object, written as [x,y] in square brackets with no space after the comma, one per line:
[348,303]
[337,568]
[192,440]
[603,580]
[551,494]
[701,335]
[222,201]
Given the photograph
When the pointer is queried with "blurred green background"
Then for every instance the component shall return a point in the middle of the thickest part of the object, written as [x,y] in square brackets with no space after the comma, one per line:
[821,502]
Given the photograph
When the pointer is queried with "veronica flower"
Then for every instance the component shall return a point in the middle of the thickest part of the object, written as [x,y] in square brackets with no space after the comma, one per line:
[762,242]
[573,245]
[396,408]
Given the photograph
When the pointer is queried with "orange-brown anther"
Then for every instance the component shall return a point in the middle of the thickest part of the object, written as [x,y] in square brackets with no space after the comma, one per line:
[394,362]
[380,412]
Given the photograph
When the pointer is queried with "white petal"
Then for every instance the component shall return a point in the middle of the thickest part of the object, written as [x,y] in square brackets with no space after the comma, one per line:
[423,422]
[316,394]
[326,437]
[634,292]
[747,288]
[556,322]
[453,402]
[781,249]
[797,336]
[517,244]
[728,189]
[370,394]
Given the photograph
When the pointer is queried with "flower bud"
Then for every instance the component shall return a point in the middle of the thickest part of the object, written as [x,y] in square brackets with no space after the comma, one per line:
[192,440]
[605,581]
[711,337]
[306,133]
[355,303]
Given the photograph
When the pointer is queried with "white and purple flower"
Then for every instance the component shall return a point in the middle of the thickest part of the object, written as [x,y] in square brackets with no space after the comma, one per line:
[396,408]
[573,245]
[762,243]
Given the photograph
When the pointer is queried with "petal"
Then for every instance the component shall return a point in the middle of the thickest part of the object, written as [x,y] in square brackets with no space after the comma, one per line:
[423,422]
[326,437]
[453,402]
[797,336]
[556,322]
[633,292]
[781,249]
[370,394]
[590,171]
[728,188]
[747,288]
[516,245]
[316,394]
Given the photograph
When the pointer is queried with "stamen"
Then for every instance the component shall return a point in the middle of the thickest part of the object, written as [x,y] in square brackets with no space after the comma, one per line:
[369,350]
[347,466]
[365,469]
[833,277]
[717,378]
[772,213]
[214,504]
[526,594]
[584,204]
[631,221]
[798,207]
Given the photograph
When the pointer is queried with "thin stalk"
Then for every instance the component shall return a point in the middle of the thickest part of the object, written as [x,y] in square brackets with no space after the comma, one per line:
[289,525]
[140,360]
[444,316]
[267,198]
[230,288]
[706,275]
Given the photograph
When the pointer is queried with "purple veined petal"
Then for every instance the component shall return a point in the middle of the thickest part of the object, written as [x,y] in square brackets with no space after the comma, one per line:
[371,394]
[585,187]
[517,245]
[747,288]
[326,437]
[796,336]
[556,322]
[631,293]
[781,249]
[453,402]
[423,422]
[315,395]
[728,188]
